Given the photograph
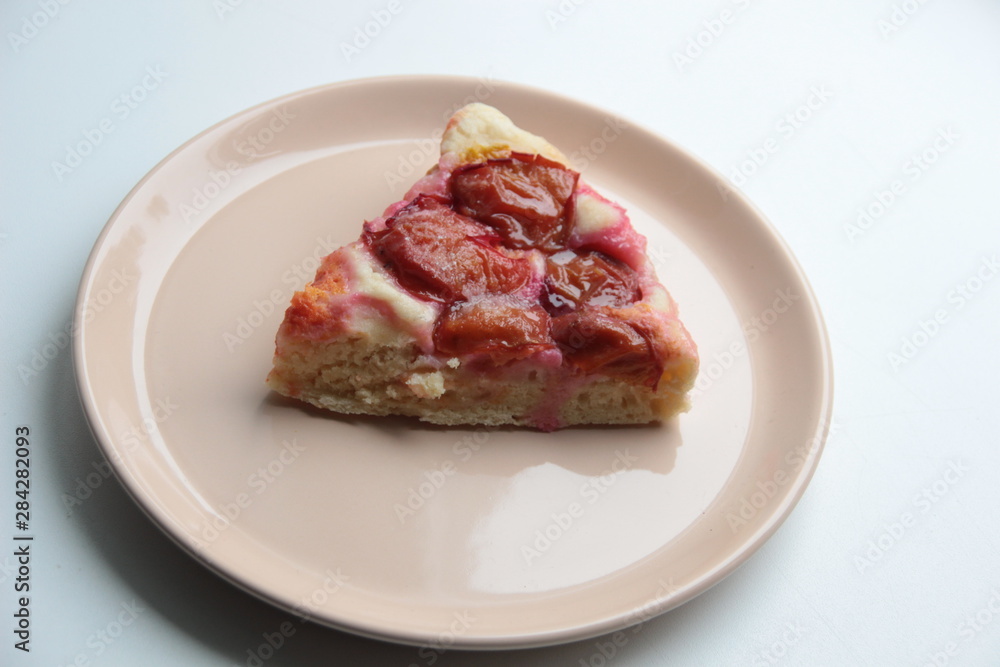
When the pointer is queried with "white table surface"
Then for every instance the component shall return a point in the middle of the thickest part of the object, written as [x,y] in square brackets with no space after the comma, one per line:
[892,556]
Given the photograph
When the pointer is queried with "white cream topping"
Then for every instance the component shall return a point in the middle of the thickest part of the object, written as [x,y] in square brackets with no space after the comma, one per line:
[593,214]
[368,279]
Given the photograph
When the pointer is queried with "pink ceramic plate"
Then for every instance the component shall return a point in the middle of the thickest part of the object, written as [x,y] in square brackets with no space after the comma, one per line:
[392,528]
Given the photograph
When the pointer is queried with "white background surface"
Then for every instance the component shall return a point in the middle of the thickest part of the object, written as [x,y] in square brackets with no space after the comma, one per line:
[844,581]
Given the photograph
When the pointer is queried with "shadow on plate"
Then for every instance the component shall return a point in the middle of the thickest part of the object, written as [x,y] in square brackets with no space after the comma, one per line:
[505,450]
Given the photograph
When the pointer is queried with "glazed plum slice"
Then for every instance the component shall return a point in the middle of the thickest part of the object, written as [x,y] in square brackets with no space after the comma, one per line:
[587,278]
[597,342]
[438,253]
[526,198]
[502,327]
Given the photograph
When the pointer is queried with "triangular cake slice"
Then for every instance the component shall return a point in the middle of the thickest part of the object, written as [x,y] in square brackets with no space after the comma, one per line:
[501,290]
